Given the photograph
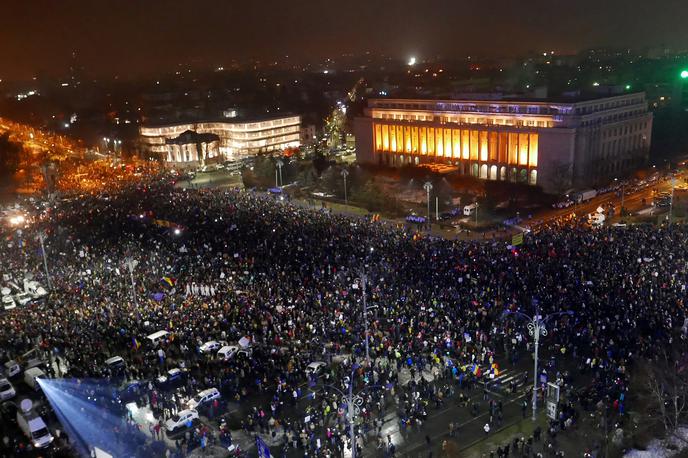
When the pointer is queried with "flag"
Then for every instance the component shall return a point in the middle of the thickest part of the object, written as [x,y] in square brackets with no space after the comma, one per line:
[169,281]
[135,343]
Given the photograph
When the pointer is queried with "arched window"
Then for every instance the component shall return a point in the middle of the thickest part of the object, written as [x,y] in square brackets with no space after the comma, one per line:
[502,173]
[483,171]
[533,177]
[474,170]
[493,172]
[523,177]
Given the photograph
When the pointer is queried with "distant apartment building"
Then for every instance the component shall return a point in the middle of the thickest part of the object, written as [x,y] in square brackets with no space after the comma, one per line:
[194,144]
[556,144]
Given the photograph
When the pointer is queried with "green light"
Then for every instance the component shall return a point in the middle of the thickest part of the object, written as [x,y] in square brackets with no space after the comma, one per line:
[628,87]
[684,74]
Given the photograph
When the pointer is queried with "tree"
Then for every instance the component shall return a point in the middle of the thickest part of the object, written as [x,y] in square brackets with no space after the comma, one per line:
[667,382]
[10,155]
[561,177]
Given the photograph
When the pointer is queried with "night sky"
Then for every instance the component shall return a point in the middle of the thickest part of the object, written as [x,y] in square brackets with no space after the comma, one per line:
[131,37]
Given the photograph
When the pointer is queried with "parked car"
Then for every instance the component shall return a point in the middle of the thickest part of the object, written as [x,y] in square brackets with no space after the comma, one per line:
[12,369]
[23,298]
[115,365]
[181,419]
[8,302]
[203,397]
[34,289]
[173,377]
[132,391]
[315,368]
[6,390]
[211,346]
[230,351]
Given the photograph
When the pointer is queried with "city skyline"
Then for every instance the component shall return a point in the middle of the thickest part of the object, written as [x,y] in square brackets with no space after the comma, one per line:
[134,39]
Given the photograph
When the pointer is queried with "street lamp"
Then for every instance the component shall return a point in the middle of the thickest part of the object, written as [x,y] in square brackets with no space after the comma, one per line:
[345,173]
[353,402]
[363,280]
[41,238]
[671,202]
[428,187]
[131,264]
[279,164]
[536,328]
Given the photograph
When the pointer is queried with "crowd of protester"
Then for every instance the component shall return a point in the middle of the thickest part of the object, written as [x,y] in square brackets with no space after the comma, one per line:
[230,264]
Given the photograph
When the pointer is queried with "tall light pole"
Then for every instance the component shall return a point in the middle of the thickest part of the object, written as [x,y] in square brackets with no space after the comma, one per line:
[536,328]
[671,202]
[131,264]
[345,173]
[353,402]
[41,238]
[279,164]
[428,187]
[364,283]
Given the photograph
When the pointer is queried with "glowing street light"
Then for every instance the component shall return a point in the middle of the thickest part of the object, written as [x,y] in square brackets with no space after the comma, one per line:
[428,187]
[412,61]
[279,164]
[345,173]
[536,328]
[684,74]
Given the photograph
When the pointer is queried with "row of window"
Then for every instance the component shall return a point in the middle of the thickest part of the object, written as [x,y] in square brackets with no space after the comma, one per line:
[609,105]
[515,108]
[517,122]
[468,144]
[622,145]
[482,171]
[512,108]
[612,118]
[625,130]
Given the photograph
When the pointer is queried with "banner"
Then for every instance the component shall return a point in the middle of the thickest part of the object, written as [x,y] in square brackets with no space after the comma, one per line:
[517,239]
[263,449]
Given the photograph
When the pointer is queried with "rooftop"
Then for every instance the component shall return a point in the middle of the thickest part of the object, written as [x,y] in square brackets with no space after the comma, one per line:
[235,120]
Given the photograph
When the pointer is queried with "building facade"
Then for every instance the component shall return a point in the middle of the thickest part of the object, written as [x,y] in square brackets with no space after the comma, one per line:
[551,144]
[235,138]
[191,149]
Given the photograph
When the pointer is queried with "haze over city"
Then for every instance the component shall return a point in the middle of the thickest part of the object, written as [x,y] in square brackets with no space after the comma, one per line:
[133,38]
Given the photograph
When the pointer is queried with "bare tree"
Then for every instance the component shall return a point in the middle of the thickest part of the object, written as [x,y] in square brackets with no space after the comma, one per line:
[560,178]
[667,379]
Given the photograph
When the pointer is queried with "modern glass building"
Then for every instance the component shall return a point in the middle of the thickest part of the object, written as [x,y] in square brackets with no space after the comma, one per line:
[236,138]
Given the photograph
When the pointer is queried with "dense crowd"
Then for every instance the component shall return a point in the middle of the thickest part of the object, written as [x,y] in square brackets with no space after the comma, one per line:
[241,264]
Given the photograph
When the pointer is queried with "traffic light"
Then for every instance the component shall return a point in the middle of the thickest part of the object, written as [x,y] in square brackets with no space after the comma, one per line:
[684,74]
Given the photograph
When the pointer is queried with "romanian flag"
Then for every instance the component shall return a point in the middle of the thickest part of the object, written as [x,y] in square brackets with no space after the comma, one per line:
[135,344]
[169,281]
[475,370]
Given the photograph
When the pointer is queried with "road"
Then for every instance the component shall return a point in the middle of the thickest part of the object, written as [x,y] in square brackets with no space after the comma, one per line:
[632,201]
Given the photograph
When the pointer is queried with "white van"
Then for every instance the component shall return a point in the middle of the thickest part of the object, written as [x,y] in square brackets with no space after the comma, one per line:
[596,219]
[156,337]
[31,375]
[33,426]
[469,210]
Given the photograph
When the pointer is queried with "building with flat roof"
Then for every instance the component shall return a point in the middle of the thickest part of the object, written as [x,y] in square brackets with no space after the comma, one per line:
[556,144]
[190,143]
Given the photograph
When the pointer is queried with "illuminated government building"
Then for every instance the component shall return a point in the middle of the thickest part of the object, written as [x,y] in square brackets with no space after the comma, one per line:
[554,145]
[195,144]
